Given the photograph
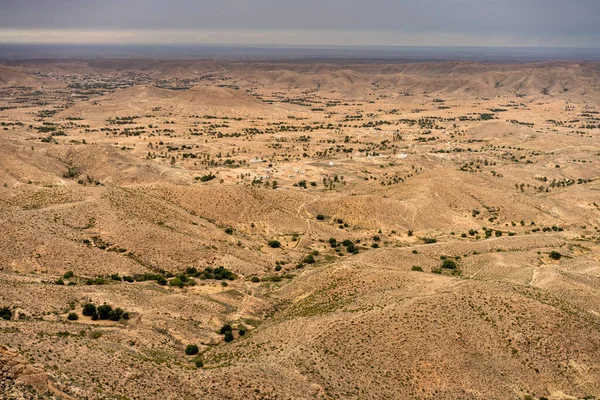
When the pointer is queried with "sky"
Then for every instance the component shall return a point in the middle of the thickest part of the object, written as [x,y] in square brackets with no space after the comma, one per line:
[519,23]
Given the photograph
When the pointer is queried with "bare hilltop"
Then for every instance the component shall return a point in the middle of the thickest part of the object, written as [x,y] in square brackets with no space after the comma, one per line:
[185,229]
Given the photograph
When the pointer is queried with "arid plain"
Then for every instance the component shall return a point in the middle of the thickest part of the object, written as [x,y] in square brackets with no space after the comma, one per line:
[299,230]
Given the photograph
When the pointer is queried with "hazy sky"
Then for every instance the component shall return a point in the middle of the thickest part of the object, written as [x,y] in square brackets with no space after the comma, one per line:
[572,23]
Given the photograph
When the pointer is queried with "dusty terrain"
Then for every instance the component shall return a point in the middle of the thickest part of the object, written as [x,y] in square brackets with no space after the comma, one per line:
[386,231]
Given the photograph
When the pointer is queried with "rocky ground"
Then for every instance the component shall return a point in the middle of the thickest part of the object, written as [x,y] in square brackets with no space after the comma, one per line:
[214,229]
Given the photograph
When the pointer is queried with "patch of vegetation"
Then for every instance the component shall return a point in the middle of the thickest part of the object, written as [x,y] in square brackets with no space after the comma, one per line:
[241,330]
[225,328]
[6,313]
[219,273]
[555,255]
[95,281]
[104,312]
[147,277]
[205,178]
[449,264]
[89,309]
[274,244]
[176,282]
[191,350]
[309,259]
[72,173]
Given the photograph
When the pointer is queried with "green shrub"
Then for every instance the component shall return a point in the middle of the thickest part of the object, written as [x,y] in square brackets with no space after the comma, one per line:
[116,314]
[199,363]
[274,244]
[205,178]
[128,279]
[96,281]
[228,336]
[147,277]
[72,316]
[555,255]
[225,328]
[72,172]
[68,275]
[428,240]
[116,277]
[449,264]
[88,309]
[176,282]
[309,259]
[255,279]
[191,350]
[6,313]
[320,217]
[218,273]
[104,311]
[161,281]
[417,268]
[241,330]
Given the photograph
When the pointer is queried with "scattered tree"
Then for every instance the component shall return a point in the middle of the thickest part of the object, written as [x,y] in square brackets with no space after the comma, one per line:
[191,350]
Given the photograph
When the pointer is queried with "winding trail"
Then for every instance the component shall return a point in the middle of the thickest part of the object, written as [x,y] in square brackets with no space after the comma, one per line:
[306,216]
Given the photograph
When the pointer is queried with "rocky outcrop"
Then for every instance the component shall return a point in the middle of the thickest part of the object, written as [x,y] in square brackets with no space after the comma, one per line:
[16,371]
[14,367]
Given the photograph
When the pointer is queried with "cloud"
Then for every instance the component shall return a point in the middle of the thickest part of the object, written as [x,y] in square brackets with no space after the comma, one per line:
[510,22]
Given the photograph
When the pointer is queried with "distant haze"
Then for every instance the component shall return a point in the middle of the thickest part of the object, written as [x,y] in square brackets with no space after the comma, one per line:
[529,23]
[338,54]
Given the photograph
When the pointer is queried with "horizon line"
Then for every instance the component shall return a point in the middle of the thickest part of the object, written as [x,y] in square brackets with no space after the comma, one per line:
[308,46]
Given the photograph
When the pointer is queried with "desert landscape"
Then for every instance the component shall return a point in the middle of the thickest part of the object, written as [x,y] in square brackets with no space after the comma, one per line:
[211,229]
